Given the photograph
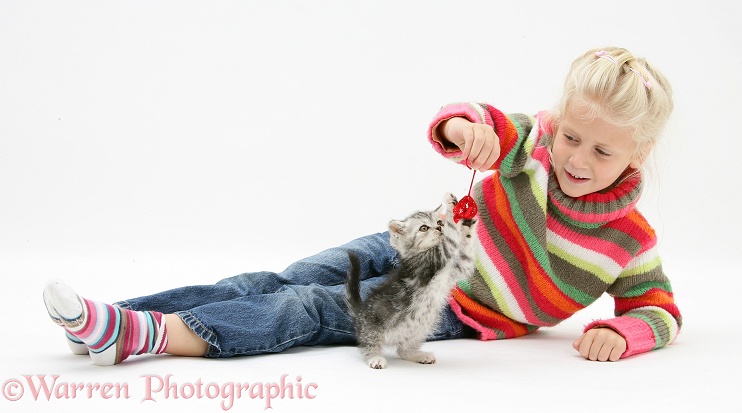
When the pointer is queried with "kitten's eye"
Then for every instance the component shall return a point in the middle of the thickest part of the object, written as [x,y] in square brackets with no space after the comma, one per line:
[424,228]
[440,223]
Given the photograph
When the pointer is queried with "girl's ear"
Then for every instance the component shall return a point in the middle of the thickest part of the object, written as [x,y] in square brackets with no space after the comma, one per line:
[640,156]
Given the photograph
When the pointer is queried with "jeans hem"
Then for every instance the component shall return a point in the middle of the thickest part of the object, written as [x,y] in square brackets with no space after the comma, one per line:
[192,322]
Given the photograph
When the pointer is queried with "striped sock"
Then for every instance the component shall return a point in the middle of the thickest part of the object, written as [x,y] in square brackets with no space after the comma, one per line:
[110,333]
[74,343]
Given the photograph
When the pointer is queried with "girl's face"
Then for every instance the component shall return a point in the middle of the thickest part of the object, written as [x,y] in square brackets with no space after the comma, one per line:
[589,156]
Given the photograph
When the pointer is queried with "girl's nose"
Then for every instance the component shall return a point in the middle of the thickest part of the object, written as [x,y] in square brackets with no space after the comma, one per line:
[578,160]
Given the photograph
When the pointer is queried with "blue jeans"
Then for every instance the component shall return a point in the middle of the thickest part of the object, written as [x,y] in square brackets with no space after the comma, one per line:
[267,312]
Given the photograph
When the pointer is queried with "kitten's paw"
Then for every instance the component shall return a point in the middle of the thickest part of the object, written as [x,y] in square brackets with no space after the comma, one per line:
[469,222]
[376,362]
[422,357]
[425,357]
[449,200]
[467,227]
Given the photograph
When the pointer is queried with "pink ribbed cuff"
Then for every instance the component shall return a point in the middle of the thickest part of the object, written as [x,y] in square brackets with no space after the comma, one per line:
[637,333]
[464,110]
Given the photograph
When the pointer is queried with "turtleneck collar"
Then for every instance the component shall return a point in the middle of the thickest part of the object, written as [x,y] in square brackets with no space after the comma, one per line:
[595,209]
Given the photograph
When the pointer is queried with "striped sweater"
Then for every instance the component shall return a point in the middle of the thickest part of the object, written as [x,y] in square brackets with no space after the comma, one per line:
[542,255]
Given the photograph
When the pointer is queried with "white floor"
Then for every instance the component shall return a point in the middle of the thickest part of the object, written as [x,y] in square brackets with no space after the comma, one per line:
[536,373]
[147,146]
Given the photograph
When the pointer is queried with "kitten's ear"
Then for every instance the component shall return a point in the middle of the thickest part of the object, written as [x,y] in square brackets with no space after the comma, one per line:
[440,212]
[396,227]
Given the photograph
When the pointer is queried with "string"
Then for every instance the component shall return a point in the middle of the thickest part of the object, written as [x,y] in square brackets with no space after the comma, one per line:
[471,185]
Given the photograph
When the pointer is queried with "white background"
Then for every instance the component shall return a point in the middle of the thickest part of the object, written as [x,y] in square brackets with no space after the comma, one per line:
[148,145]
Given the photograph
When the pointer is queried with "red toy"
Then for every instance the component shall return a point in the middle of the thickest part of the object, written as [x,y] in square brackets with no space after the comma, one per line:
[466,208]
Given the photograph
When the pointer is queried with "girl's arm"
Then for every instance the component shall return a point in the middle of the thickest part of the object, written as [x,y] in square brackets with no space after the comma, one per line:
[646,314]
[483,136]
[477,142]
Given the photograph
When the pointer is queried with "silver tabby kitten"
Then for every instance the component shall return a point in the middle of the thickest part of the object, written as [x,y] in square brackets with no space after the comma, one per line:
[405,309]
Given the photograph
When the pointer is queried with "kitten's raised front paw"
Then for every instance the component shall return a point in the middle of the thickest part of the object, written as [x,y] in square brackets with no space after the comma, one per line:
[469,222]
[449,200]
[376,362]
[467,227]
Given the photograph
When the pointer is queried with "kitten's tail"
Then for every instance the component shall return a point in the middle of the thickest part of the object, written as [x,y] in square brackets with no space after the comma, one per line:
[353,284]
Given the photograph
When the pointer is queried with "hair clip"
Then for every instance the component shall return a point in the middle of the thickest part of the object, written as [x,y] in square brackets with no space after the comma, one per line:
[646,82]
[605,55]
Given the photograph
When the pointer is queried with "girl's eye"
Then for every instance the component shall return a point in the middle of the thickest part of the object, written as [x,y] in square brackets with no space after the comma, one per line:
[440,223]
[570,138]
[602,152]
[424,228]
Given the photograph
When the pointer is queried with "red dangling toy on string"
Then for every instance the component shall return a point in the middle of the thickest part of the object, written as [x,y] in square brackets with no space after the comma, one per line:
[466,208]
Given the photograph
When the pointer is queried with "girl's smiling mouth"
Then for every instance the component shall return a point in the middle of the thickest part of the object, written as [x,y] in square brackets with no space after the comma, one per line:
[575,178]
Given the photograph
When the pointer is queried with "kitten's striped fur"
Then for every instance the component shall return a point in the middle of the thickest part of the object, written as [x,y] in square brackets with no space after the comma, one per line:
[404,310]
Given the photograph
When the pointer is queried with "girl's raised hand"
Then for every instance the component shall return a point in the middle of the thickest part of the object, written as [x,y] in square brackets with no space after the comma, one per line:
[478,142]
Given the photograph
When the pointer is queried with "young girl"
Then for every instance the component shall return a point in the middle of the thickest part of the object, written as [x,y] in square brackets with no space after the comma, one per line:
[557,228]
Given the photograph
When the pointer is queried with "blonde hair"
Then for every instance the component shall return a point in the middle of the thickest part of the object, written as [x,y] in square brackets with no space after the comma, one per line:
[626,91]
